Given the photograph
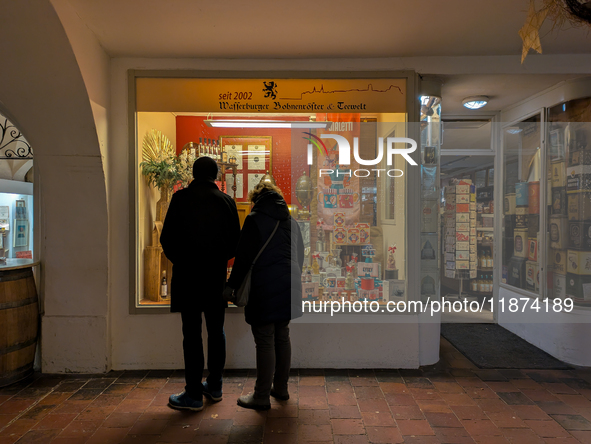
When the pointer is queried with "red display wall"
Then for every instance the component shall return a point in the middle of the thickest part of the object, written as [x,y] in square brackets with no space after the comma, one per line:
[191,128]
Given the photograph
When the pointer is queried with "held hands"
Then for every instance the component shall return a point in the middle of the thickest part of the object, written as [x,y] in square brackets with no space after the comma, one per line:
[228,294]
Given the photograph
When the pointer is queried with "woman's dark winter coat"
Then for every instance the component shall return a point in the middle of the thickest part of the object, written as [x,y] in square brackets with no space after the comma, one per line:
[199,236]
[276,289]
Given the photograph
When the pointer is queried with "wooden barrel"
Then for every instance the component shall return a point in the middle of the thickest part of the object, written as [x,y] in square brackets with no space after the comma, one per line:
[19,324]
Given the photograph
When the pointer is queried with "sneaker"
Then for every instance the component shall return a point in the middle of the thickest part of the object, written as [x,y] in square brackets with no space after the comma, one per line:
[250,402]
[182,401]
[214,395]
[281,397]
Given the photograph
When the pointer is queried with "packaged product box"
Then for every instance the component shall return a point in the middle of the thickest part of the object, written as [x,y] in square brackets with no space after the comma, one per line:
[516,272]
[462,217]
[472,195]
[579,206]
[558,232]
[473,206]
[473,274]
[450,206]
[558,173]
[462,255]
[339,220]
[473,223]
[450,274]
[463,226]
[578,262]
[368,269]
[472,216]
[473,248]
[559,283]
[521,194]
[340,235]
[578,286]
[532,276]
[520,246]
[462,265]
[462,236]
[451,189]
[353,236]
[450,257]
[473,258]
[557,259]
[472,240]
[430,216]
[532,249]
[480,207]
[559,202]
[462,198]
[364,229]
[450,265]
[534,197]
[463,208]
[473,231]
[520,221]
[474,265]
[462,189]
[309,291]
[509,204]
[578,178]
[463,245]
[579,235]
[450,198]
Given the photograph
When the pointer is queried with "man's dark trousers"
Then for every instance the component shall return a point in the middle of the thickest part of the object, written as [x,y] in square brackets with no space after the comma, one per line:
[193,348]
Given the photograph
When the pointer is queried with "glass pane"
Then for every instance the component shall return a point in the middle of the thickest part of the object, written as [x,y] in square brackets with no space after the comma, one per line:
[521,192]
[569,202]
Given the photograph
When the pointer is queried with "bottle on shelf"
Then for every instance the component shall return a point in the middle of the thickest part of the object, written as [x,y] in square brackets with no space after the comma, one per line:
[482,259]
[481,284]
[201,152]
[489,260]
[224,155]
[474,285]
[164,286]
[218,157]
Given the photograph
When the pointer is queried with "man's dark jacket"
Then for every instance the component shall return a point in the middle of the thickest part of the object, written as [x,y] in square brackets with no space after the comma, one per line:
[276,289]
[199,236]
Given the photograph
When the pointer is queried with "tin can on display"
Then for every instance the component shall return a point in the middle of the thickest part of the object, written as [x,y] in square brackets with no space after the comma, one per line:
[578,262]
[578,286]
[558,172]
[521,194]
[579,206]
[559,281]
[557,259]
[534,197]
[558,232]
[462,217]
[521,217]
[532,276]
[579,235]
[558,202]
[509,207]
[462,198]
[532,249]
[533,225]
[579,157]
[463,208]
[520,246]
[463,189]
[578,178]
[516,272]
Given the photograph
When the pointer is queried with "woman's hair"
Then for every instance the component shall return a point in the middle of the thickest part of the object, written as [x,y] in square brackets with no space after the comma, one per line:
[261,188]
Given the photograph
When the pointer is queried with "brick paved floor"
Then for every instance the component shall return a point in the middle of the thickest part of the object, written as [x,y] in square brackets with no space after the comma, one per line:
[451,402]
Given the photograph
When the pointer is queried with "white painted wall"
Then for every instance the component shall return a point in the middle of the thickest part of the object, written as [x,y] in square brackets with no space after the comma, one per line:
[563,335]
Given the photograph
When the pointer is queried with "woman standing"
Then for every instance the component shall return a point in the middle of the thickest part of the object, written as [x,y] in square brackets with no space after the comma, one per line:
[275,293]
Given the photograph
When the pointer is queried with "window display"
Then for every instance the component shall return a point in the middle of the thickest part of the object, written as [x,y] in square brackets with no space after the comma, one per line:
[568,213]
[521,219]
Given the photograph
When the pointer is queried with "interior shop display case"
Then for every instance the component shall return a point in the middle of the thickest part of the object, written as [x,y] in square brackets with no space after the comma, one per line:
[568,208]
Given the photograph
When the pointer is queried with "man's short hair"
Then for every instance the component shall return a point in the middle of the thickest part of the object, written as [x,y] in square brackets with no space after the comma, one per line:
[205,168]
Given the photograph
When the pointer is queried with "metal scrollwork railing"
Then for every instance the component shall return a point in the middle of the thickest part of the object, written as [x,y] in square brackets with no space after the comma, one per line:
[12,143]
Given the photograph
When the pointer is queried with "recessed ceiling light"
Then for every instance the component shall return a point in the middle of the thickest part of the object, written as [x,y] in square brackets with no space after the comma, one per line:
[475,102]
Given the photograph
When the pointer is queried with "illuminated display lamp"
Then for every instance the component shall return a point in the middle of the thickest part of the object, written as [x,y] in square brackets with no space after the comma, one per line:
[222,123]
[475,102]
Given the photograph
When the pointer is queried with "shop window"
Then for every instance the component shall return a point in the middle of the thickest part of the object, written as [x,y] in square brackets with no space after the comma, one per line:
[568,212]
[521,192]
[352,217]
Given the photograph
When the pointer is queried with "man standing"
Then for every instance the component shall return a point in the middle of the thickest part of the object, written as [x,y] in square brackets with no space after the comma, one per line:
[199,236]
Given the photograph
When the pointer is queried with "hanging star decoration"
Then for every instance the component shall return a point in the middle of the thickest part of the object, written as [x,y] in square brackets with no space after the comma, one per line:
[530,32]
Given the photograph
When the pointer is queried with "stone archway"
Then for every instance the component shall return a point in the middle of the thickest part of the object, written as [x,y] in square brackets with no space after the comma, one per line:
[43,93]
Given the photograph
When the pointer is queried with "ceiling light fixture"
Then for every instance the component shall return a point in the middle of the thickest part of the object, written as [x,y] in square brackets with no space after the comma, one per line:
[475,102]
[220,123]
[514,130]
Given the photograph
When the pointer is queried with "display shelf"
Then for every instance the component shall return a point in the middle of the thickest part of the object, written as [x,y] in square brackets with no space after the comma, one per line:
[485,228]
[486,270]
[486,214]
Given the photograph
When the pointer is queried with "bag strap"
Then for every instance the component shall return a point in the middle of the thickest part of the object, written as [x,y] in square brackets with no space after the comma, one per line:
[266,243]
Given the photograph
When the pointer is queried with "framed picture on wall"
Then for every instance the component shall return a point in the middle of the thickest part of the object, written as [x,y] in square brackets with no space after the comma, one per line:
[253,155]
[21,233]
